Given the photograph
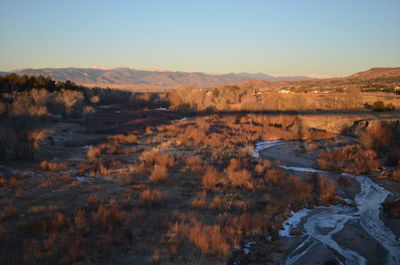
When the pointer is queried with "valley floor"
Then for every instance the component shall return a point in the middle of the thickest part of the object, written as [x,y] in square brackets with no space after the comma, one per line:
[174,187]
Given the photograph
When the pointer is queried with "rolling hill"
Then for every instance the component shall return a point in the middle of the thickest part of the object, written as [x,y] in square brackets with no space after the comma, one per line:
[119,77]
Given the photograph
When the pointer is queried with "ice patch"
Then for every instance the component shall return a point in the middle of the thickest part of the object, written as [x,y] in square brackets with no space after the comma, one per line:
[263,145]
[183,119]
[302,169]
[246,251]
[81,179]
[349,201]
[247,247]
[292,222]
[162,109]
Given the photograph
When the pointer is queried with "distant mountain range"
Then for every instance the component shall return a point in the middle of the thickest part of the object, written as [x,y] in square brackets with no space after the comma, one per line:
[114,77]
[129,78]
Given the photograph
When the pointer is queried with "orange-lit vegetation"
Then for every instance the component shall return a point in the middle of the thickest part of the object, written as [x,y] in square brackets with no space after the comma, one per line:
[126,181]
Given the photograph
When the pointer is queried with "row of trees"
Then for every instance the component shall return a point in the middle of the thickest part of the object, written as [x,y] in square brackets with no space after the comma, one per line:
[18,83]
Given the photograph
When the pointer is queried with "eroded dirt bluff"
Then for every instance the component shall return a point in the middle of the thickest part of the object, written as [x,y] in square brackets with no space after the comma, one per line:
[348,123]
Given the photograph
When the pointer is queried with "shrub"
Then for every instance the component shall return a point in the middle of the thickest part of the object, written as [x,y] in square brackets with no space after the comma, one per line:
[150,197]
[216,203]
[376,138]
[94,99]
[199,202]
[275,175]
[209,239]
[378,106]
[53,166]
[123,139]
[194,164]
[240,178]
[390,107]
[211,178]
[323,188]
[299,190]
[22,138]
[150,158]
[158,173]
[93,152]
[352,159]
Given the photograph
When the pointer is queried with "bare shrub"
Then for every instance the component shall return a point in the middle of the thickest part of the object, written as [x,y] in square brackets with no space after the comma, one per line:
[352,159]
[94,99]
[194,164]
[88,110]
[199,202]
[209,239]
[151,197]
[211,178]
[30,103]
[299,191]
[275,175]
[22,136]
[158,173]
[9,212]
[53,166]
[150,158]
[323,188]
[93,152]
[73,101]
[216,203]
[240,178]
[376,138]
[123,139]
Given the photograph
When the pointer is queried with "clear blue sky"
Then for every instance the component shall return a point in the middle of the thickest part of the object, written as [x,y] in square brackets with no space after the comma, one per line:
[337,37]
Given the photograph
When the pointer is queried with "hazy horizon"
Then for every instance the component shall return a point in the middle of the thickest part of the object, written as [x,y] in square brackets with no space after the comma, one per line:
[287,37]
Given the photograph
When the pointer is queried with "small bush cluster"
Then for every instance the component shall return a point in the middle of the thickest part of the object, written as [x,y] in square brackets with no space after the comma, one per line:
[352,159]
[380,106]
[151,197]
[21,138]
[53,166]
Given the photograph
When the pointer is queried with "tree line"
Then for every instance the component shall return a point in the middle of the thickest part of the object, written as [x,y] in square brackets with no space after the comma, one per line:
[19,83]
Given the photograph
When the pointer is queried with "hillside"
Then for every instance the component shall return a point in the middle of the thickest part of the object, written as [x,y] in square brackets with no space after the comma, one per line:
[128,77]
[374,79]
[378,72]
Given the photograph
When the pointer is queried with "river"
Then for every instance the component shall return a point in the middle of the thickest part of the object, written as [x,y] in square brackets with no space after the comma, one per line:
[320,224]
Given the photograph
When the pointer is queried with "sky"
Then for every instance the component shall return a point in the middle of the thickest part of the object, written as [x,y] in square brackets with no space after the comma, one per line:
[335,37]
